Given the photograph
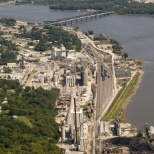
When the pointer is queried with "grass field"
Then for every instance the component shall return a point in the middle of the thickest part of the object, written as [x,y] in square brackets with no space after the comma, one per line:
[120,99]
[25,120]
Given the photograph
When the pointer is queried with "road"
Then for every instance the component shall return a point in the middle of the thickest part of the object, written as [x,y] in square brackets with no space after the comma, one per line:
[26,76]
[29,78]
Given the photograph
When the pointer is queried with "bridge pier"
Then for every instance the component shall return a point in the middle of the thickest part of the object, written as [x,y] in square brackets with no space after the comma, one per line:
[66,23]
[86,18]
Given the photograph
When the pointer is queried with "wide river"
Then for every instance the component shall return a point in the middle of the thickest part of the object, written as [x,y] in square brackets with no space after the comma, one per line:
[136,33]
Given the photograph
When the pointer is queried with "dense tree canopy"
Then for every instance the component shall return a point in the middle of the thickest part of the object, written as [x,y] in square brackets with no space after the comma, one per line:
[7,22]
[117,48]
[7,51]
[27,122]
[51,36]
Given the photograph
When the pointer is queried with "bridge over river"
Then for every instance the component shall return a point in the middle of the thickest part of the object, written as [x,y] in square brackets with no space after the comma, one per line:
[76,19]
[8,3]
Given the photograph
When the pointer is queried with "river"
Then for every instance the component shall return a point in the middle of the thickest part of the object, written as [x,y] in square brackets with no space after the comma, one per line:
[35,13]
[134,32]
[137,35]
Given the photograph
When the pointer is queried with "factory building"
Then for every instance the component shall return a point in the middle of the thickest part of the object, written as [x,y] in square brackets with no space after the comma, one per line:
[58,52]
[145,1]
[82,127]
[12,65]
[122,73]
[43,78]
[71,53]
[62,52]
[64,132]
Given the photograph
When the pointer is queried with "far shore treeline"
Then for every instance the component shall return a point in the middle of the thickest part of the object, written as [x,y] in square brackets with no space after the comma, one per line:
[118,6]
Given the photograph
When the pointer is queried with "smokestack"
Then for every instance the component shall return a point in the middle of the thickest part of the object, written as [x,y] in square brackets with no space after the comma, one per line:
[75,122]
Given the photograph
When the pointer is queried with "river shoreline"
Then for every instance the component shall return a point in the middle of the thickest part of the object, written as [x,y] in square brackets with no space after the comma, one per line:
[128,100]
[86,10]
[118,106]
[123,107]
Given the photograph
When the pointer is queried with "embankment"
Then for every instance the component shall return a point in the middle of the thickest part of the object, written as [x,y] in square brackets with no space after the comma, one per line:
[121,101]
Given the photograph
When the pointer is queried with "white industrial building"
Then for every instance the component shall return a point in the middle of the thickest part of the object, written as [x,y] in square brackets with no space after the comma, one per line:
[57,52]
[62,52]
[71,53]
[151,132]
[145,1]
[55,79]
[12,65]
[82,128]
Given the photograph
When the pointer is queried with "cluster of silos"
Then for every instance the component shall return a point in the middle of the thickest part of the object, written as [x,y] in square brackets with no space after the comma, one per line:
[79,125]
[55,79]
[71,80]
[84,74]
[43,78]
[76,72]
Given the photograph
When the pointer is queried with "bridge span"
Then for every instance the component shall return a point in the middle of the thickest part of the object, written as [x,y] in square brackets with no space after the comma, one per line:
[8,3]
[76,19]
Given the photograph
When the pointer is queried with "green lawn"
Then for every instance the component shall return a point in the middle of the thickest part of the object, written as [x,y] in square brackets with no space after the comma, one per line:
[25,120]
[123,94]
